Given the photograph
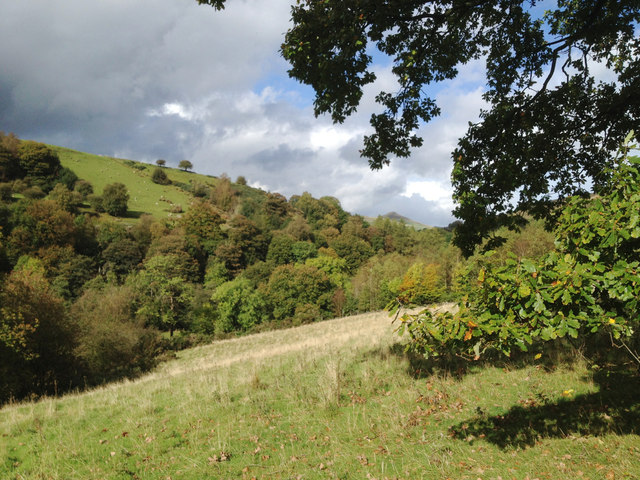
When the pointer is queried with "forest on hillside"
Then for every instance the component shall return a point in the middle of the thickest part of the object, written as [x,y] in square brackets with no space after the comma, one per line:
[88,296]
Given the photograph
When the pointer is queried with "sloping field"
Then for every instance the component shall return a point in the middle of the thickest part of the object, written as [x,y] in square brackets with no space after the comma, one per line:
[336,399]
[145,196]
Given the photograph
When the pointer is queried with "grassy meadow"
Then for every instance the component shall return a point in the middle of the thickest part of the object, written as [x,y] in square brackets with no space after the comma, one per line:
[337,399]
[145,196]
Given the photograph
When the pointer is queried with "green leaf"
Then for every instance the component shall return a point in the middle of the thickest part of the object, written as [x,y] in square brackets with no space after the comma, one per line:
[524,291]
[538,305]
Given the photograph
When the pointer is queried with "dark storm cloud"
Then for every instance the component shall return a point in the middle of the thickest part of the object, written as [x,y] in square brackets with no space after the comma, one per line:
[170,79]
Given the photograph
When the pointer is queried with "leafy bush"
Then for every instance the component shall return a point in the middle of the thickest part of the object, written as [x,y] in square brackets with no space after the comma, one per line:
[115,199]
[238,306]
[36,335]
[589,284]
[160,177]
[112,343]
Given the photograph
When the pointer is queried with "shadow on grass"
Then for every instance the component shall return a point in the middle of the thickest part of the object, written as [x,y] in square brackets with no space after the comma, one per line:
[133,214]
[614,409]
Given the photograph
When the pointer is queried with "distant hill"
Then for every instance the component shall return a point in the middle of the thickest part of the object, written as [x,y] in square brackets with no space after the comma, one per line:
[396,217]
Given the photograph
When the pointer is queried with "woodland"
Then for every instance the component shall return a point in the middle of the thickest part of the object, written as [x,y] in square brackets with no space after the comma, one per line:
[92,293]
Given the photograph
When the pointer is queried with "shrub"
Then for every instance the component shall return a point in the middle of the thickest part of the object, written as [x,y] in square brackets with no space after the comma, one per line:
[588,285]
[96,202]
[115,199]
[112,343]
[84,188]
[160,177]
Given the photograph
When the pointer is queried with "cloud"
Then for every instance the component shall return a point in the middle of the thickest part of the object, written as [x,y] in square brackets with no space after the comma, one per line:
[170,79]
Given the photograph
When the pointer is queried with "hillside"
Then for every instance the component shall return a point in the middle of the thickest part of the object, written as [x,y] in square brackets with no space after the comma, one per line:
[332,400]
[146,196]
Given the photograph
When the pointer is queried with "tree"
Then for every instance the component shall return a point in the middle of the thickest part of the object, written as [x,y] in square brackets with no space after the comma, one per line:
[161,162]
[36,334]
[238,306]
[292,286]
[587,285]
[185,165]
[550,125]
[115,199]
[164,292]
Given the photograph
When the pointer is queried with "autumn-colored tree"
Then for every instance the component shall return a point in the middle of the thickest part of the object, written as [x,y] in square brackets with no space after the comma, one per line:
[376,282]
[40,224]
[223,195]
[203,220]
[36,335]
[421,285]
[293,285]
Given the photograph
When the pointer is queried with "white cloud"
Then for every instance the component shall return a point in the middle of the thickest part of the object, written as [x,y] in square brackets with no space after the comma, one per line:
[170,79]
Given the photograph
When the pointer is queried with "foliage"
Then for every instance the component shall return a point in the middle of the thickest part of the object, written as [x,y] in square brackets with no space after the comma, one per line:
[115,198]
[37,160]
[121,256]
[185,165]
[203,220]
[224,196]
[112,343]
[238,306]
[550,124]
[281,250]
[421,285]
[84,188]
[205,272]
[376,282]
[353,249]
[41,224]
[588,285]
[293,285]
[160,177]
[161,162]
[67,177]
[36,335]
[65,198]
[164,294]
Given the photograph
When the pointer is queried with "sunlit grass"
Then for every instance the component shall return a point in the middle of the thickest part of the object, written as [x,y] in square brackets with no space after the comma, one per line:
[145,196]
[329,400]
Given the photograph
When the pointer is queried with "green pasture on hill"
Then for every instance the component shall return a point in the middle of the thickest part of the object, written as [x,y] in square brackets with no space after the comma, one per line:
[332,400]
[145,196]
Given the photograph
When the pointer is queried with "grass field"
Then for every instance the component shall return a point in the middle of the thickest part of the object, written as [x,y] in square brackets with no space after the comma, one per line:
[337,399]
[148,197]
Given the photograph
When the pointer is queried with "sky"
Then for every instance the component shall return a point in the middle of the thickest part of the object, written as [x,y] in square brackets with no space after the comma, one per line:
[170,79]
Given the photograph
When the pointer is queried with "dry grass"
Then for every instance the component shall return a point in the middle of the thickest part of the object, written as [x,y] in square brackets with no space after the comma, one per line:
[327,400]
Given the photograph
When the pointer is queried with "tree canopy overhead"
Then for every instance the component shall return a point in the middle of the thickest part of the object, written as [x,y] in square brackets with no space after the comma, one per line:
[551,123]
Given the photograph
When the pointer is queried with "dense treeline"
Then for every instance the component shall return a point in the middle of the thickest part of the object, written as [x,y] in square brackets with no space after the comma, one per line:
[87,297]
